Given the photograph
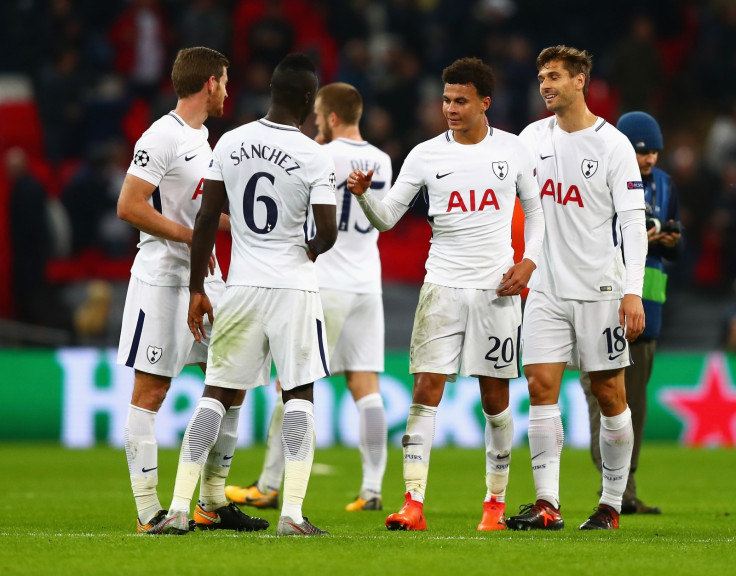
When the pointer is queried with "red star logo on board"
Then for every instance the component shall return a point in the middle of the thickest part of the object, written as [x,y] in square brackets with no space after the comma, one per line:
[708,412]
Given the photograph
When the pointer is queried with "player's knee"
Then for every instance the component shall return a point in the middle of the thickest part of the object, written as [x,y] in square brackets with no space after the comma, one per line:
[428,389]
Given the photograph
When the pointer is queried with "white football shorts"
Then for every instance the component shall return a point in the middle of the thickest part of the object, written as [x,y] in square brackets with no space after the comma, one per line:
[155,337]
[475,330]
[355,330]
[254,325]
[584,334]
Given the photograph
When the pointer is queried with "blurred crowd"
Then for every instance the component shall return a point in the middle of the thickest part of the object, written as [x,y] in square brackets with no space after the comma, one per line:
[80,80]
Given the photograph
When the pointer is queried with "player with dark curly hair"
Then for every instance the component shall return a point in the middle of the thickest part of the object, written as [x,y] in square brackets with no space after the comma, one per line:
[468,319]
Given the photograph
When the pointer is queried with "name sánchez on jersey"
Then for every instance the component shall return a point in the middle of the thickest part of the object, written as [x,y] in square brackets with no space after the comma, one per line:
[268,153]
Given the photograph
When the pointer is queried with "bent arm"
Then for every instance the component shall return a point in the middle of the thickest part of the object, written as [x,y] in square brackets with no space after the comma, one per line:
[133,207]
[325,221]
[384,213]
[205,230]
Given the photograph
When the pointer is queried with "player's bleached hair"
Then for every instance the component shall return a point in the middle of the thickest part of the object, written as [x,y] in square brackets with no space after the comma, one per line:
[292,78]
[342,99]
[471,71]
[193,67]
[575,62]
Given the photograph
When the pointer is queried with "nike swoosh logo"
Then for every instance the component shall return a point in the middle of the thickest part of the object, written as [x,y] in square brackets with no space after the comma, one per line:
[545,157]
[612,357]
[538,455]
[414,444]
[613,469]
[144,470]
[499,457]
[227,457]
[441,176]
[497,367]
[188,158]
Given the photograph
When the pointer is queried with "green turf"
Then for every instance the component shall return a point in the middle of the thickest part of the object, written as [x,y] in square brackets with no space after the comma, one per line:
[71,512]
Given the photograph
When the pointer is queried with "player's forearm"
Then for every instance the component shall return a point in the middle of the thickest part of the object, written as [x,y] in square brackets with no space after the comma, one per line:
[384,213]
[203,241]
[635,241]
[147,219]
[533,228]
[325,223]
[224,225]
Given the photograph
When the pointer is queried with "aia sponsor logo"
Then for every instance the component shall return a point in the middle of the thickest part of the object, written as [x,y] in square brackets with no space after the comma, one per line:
[199,190]
[555,191]
[472,202]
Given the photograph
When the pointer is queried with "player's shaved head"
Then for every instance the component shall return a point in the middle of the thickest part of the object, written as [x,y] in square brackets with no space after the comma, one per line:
[471,71]
[294,84]
[575,61]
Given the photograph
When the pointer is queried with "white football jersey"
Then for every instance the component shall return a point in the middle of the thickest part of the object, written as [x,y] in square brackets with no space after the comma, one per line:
[174,157]
[353,264]
[471,190]
[272,174]
[585,178]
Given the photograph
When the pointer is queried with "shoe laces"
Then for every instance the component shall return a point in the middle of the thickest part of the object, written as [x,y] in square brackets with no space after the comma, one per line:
[526,508]
[604,514]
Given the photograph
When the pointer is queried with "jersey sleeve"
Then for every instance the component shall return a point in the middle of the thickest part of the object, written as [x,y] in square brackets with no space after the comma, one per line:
[153,154]
[214,170]
[410,180]
[322,182]
[381,186]
[624,178]
[526,180]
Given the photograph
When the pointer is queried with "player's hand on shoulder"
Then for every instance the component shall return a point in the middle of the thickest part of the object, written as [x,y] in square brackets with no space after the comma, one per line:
[358,182]
[631,316]
[199,305]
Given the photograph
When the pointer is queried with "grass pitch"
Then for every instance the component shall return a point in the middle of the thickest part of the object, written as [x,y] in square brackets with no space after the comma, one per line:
[71,512]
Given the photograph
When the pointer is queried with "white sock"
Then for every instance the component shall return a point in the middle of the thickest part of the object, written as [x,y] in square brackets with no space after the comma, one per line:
[297,434]
[546,437]
[373,437]
[215,470]
[199,438]
[499,438]
[141,451]
[417,443]
[273,462]
[617,443]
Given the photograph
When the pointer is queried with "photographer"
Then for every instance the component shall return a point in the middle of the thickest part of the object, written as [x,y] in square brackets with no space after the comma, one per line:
[664,231]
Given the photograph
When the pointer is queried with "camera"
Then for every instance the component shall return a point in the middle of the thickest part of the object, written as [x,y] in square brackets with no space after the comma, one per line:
[666,227]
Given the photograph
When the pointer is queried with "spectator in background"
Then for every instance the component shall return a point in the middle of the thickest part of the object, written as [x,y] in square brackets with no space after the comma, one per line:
[205,23]
[637,70]
[720,143]
[91,199]
[140,38]
[697,189]
[59,95]
[664,243]
[31,240]
[723,222]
